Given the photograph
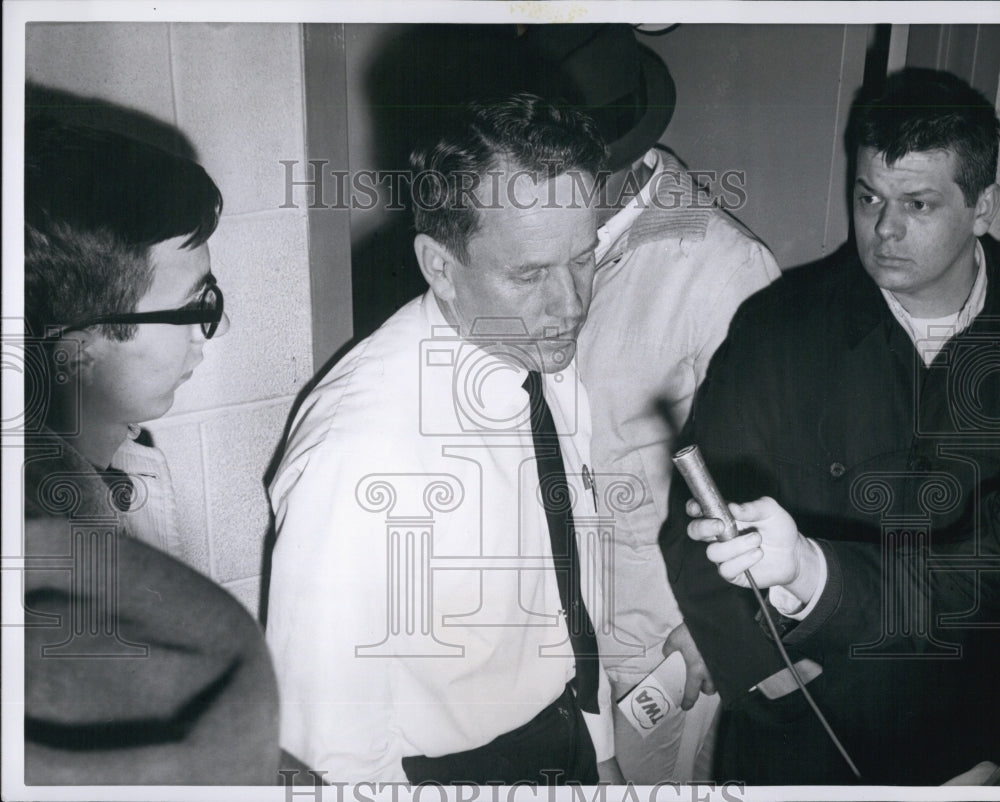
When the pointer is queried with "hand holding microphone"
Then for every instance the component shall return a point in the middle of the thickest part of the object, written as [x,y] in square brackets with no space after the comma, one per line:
[755,545]
[758,537]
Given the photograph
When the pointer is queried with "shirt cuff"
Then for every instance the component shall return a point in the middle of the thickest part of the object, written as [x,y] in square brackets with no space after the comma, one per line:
[602,732]
[789,605]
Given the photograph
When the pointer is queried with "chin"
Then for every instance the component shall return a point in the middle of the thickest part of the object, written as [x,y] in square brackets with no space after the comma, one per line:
[555,359]
[886,278]
[158,408]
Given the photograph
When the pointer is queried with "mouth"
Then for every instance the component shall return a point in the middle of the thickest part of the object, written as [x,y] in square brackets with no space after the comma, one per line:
[190,371]
[888,258]
[569,335]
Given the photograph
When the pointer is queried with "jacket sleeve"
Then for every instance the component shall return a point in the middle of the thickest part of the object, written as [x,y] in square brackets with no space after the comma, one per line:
[863,583]
[721,616]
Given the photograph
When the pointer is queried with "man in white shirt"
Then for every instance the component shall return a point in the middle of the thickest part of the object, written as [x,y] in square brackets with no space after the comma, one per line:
[415,617]
[853,412]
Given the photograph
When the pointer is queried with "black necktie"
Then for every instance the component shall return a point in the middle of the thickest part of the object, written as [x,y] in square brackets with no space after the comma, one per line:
[556,497]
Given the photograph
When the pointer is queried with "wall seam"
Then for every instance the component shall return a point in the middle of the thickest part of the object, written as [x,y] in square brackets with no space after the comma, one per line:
[204,415]
[233,580]
[824,245]
[302,211]
[173,73]
[975,55]
[209,539]
[304,100]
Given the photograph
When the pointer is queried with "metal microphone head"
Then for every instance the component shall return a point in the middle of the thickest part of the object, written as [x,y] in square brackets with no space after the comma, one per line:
[691,464]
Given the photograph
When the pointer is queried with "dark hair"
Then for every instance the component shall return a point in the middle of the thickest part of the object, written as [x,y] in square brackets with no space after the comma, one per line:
[521,129]
[95,202]
[920,110]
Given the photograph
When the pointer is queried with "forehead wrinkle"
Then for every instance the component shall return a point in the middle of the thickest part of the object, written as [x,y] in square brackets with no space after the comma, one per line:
[519,237]
[914,162]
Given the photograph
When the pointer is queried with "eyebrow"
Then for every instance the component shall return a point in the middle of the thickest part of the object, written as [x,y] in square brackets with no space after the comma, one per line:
[200,284]
[526,267]
[914,193]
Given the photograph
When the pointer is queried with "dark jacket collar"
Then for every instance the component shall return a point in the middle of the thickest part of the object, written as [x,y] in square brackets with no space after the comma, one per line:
[866,308]
[60,482]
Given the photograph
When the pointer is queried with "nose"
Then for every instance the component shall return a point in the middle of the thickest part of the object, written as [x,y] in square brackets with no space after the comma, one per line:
[565,301]
[890,223]
[222,328]
[198,336]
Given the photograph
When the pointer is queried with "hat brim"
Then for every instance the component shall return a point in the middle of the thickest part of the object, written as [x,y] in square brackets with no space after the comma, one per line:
[661,97]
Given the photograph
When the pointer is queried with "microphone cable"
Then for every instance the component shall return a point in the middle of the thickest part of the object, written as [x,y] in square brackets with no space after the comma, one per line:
[691,464]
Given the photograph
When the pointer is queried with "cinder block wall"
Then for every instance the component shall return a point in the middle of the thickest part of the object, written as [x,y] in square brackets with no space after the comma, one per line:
[236,92]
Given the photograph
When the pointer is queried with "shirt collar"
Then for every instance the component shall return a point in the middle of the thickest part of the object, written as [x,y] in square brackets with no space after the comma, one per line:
[956,323]
[618,226]
[866,306]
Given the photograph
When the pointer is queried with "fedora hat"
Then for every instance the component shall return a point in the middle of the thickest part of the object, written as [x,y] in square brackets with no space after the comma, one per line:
[601,70]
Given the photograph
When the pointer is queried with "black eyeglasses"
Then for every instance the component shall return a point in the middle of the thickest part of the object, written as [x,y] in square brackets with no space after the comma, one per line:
[206,312]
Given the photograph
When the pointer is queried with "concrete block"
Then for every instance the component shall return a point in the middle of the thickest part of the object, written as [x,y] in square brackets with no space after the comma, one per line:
[239,97]
[238,447]
[121,62]
[262,265]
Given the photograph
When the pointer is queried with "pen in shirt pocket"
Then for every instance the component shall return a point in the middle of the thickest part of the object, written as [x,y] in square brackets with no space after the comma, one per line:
[590,483]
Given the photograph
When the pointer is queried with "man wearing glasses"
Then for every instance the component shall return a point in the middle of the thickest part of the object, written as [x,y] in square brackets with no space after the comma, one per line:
[137,668]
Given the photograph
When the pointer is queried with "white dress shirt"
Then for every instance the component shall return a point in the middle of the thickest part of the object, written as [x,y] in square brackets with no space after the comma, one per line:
[413,606]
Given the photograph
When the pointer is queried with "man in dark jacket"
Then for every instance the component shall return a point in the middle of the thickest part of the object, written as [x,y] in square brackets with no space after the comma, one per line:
[854,411]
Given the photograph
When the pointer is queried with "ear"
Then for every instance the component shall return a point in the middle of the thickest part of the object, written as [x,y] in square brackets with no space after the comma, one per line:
[986,209]
[437,265]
